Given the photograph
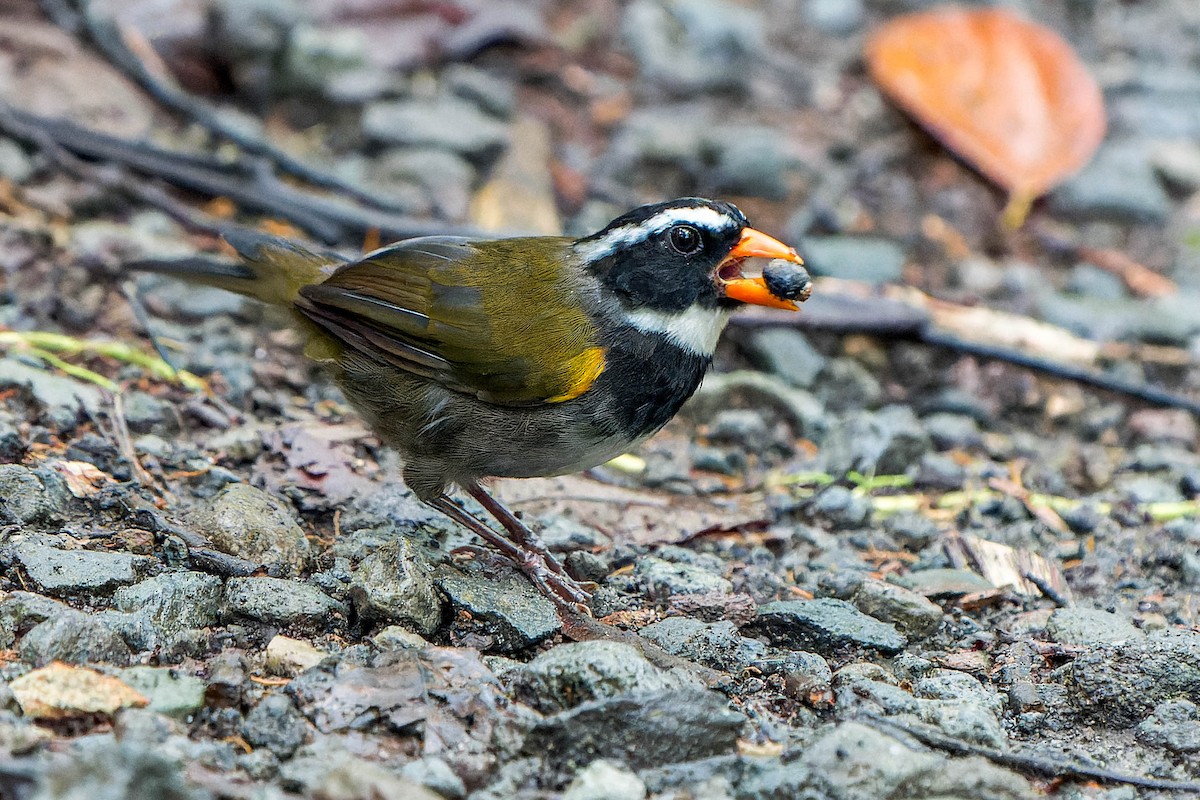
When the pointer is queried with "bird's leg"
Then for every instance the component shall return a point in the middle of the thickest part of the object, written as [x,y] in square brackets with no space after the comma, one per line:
[518,530]
[558,586]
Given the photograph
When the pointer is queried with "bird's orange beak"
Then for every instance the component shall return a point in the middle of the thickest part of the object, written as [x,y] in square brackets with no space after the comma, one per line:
[753,289]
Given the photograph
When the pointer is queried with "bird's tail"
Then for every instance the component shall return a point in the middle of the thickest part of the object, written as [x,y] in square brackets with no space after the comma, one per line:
[272,269]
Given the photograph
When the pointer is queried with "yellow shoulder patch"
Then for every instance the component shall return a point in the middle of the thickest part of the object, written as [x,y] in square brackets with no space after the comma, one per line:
[583,370]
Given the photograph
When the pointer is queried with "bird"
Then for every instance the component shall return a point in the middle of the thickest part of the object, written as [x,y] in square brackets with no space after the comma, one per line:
[517,357]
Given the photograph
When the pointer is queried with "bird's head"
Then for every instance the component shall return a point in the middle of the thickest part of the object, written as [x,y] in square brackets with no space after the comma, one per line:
[677,267]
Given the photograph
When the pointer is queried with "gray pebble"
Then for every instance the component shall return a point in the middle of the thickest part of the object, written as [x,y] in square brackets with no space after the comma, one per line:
[175,601]
[275,724]
[74,638]
[65,573]
[1089,627]
[662,579]
[717,645]
[578,672]
[170,691]
[786,354]
[394,585]
[249,523]
[15,164]
[825,626]
[24,496]
[436,775]
[281,601]
[509,611]
[862,258]
[911,613]
[845,384]
[1119,184]
[1174,724]
[641,729]
[446,123]
[605,780]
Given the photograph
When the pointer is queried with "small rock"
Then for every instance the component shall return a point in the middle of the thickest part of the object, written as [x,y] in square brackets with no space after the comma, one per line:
[641,729]
[175,601]
[693,46]
[855,760]
[358,778]
[824,626]
[605,780]
[835,17]
[24,496]
[944,582]
[74,638]
[844,384]
[169,691]
[436,775]
[740,426]
[578,672]
[1178,163]
[249,523]
[393,637]
[662,579]
[74,572]
[394,584]
[1174,724]
[280,601]
[289,657]
[444,177]
[15,164]
[952,431]
[509,611]
[1123,682]
[885,442]
[276,725]
[914,615]
[841,508]
[1089,627]
[717,645]
[1091,281]
[1119,185]
[144,411]
[59,691]
[446,123]
[870,259]
[494,94]
[787,354]
[61,396]
[751,161]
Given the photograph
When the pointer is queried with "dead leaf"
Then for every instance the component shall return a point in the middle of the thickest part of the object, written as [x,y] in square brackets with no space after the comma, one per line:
[82,479]
[1007,95]
[60,691]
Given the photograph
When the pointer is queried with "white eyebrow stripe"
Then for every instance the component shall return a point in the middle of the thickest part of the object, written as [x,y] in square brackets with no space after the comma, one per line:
[700,216]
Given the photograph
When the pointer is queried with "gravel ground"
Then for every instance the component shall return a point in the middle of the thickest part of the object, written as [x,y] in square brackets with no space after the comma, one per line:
[255,607]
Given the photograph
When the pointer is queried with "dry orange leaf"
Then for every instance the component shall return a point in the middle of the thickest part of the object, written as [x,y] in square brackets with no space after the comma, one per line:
[1007,95]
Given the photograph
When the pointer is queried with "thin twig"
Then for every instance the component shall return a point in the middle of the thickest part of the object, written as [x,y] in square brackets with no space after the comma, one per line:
[125,442]
[1038,765]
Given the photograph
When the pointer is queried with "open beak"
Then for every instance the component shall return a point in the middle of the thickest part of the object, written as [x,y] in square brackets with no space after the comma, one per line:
[736,286]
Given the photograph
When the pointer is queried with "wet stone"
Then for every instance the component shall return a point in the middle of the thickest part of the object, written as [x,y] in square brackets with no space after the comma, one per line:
[249,523]
[66,573]
[277,725]
[74,638]
[1122,683]
[21,611]
[169,691]
[854,760]
[845,384]
[944,582]
[885,442]
[911,613]
[717,645]
[393,584]
[509,612]
[824,626]
[579,672]
[662,579]
[1088,627]
[605,780]
[24,496]
[61,396]
[175,601]
[786,354]
[861,258]
[642,729]
[1174,724]
[281,601]
[446,123]
[1119,184]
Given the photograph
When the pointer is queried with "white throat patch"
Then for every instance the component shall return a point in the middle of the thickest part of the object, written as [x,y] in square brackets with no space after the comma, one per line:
[695,329]
[707,218]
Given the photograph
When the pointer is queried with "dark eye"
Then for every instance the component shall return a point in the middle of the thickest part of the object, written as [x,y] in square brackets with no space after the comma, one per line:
[686,240]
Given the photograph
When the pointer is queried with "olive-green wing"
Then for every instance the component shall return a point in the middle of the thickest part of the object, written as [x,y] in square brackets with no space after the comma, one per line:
[494,319]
